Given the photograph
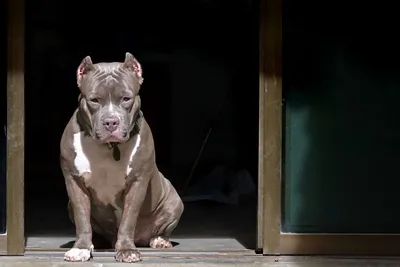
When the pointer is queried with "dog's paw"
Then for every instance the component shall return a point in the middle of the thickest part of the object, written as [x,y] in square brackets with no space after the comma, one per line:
[77,254]
[160,242]
[128,255]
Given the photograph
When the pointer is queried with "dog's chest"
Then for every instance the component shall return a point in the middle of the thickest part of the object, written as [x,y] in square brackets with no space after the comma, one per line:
[103,174]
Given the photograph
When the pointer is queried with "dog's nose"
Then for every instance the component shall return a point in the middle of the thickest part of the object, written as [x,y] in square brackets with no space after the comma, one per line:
[111,123]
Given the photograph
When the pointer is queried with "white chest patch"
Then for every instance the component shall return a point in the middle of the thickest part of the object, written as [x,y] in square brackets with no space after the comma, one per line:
[81,162]
[134,150]
[107,176]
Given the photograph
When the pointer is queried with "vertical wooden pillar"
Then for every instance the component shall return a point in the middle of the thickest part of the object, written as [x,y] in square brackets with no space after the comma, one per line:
[15,126]
[270,135]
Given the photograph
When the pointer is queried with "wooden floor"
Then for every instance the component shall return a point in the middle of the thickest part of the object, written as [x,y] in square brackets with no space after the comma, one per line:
[35,260]
[204,226]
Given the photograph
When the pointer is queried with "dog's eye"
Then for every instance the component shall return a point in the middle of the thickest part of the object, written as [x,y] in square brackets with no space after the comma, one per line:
[126,99]
[94,100]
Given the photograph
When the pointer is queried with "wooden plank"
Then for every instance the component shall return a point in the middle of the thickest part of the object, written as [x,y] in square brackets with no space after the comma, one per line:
[15,128]
[3,244]
[222,259]
[271,109]
[184,244]
[260,202]
[145,251]
[340,244]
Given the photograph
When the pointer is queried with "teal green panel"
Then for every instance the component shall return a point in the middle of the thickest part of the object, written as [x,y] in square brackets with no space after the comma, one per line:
[341,83]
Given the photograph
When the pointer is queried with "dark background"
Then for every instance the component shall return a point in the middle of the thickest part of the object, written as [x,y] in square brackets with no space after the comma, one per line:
[192,54]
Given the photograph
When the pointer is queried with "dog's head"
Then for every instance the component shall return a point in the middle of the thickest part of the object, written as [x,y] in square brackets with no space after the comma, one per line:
[109,99]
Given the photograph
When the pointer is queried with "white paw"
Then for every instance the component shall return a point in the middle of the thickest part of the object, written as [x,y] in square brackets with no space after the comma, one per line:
[77,254]
[160,242]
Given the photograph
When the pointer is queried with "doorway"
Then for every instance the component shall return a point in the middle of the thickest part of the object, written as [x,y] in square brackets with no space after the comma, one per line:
[201,71]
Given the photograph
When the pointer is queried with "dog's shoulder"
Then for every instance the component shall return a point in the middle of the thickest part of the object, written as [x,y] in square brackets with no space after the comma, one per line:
[67,139]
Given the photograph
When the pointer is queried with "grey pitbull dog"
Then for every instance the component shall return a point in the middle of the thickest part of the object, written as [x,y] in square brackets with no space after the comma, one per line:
[107,157]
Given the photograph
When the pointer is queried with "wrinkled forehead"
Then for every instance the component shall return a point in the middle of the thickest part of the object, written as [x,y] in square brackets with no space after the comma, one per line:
[109,78]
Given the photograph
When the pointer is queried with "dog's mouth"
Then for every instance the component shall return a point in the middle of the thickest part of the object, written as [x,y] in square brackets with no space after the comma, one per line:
[115,137]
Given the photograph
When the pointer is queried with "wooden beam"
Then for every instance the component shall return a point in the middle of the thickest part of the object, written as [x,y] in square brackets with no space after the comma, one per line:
[271,121]
[15,127]
[3,244]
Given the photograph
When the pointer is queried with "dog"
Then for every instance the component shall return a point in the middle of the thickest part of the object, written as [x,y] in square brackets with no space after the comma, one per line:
[108,162]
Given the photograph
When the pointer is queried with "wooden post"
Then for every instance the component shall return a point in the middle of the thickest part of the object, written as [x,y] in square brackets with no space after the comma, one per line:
[270,135]
[15,127]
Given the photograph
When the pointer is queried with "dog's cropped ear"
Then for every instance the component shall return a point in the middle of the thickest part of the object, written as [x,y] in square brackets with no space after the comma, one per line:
[132,64]
[83,69]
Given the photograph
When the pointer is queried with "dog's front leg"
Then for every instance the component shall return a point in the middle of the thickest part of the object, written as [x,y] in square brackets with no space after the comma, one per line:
[79,202]
[125,247]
